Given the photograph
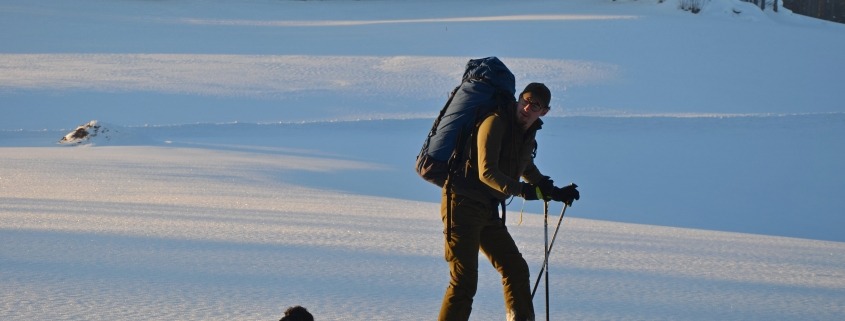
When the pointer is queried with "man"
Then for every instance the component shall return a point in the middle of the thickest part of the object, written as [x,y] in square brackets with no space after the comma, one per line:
[501,152]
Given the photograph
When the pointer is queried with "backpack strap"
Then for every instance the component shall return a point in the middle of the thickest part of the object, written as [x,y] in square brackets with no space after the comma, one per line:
[433,130]
[448,184]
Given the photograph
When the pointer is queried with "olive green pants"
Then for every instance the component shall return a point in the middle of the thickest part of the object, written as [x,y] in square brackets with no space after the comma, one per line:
[476,226]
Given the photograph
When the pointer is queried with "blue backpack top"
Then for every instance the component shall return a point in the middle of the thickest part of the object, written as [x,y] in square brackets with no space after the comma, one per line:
[486,86]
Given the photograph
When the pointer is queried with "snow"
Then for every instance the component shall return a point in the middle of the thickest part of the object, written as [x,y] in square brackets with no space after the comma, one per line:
[258,155]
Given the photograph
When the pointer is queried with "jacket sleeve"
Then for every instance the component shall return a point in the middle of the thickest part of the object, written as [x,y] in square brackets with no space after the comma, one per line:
[532,174]
[489,140]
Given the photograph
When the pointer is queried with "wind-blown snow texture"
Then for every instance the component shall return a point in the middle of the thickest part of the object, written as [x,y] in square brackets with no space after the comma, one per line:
[258,156]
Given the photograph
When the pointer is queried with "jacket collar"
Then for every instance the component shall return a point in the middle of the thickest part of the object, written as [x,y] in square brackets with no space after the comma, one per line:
[537,125]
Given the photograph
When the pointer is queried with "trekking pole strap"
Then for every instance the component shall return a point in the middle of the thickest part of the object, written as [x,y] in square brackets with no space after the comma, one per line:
[504,213]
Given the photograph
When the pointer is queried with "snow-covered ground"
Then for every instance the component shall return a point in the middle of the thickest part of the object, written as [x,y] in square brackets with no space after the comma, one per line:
[258,155]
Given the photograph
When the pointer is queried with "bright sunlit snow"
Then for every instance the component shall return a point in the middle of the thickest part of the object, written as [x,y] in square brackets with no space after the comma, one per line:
[247,156]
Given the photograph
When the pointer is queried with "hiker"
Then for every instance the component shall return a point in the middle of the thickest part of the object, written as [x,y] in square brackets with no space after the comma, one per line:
[297,313]
[501,152]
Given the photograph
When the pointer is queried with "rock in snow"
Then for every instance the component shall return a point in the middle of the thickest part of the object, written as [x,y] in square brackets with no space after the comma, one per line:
[100,133]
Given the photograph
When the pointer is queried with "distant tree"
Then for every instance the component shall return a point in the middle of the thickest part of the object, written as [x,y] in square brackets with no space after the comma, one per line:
[762,3]
[693,6]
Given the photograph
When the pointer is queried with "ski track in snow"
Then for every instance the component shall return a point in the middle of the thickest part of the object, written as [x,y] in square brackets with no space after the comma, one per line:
[342,23]
[266,75]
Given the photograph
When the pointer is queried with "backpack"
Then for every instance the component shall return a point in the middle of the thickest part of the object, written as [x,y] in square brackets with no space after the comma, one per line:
[486,86]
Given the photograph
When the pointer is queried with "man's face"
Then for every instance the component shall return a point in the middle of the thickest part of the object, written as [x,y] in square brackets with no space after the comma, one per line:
[529,109]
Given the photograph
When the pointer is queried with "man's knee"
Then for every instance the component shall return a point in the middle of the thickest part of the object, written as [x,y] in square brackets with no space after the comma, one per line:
[464,280]
[515,270]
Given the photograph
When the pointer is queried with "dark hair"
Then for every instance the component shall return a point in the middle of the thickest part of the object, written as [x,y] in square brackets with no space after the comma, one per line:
[297,313]
[540,91]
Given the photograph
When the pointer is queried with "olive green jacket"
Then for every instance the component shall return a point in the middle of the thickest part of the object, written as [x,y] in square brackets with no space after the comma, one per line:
[501,153]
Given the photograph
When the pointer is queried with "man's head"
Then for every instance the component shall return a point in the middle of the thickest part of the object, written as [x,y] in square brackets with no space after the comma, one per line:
[533,102]
[297,313]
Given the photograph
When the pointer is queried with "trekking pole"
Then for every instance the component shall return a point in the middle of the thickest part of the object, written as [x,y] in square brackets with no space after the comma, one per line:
[546,260]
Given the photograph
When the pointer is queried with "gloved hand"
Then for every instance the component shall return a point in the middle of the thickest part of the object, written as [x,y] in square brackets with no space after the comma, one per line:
[542,190]
[566,194]
[529,192]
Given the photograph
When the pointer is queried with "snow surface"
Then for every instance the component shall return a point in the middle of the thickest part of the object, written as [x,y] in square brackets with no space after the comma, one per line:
[259,155]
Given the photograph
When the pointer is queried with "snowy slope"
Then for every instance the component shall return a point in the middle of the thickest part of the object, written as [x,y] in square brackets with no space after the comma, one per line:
[265,150]
[162,233]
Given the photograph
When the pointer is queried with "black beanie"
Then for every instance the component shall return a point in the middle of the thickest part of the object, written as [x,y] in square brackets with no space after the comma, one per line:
[540,91]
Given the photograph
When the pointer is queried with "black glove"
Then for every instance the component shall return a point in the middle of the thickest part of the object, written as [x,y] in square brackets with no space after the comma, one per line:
[529,192]
[566,194]
[542,190]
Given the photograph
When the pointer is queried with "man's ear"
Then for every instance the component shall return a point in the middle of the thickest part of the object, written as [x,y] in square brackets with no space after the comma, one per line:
[545,111]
